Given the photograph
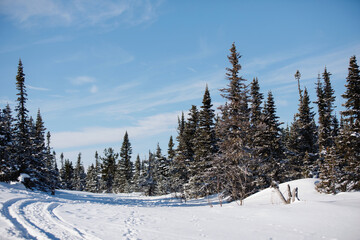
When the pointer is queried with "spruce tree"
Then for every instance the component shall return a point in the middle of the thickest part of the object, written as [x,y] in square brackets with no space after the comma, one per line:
[124,169]
[325,102]
[91,179]
[8,169]
[171,150]
[149,184]
[205,146]
[231,165]
[161,170]
[271,150]
[256,117]
[108,170]
[349,138]
[137,175]
[67,175]
[21,136]
[79,175]
[303,138]
[179,170]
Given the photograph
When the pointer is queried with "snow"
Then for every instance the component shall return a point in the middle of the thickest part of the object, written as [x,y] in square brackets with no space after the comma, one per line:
[22,177]
[81,215]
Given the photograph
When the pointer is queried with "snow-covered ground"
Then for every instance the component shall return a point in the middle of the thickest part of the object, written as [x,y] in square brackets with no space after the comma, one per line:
[81,215]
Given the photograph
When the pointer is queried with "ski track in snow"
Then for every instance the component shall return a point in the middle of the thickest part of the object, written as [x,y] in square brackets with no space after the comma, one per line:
[34,218]
[79,215]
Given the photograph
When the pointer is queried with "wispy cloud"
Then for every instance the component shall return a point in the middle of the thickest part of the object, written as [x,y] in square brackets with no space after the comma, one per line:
[37,88]
[79,12]
[94,89]
[336,61]
[145,127]
[81,80]
[54,39]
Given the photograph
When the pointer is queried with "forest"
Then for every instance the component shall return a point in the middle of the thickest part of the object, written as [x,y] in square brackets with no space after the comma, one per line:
[235,153]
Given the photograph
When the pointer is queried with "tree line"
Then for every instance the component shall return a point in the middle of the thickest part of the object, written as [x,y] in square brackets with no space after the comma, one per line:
[235,153]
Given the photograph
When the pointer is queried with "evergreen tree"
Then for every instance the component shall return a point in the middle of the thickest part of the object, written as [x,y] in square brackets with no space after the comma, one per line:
[97,173]
[256,117]
[108,170]
[231,165]
[91,179]
[79,175]
[303,138]
[21,131]
[161,170]
[149,184]
[51,165]
[325,102]
[205,147]
[137,175]
[28,154]
[329,172]
[67,175]
[124,169]
[171,150]
[271,149]
[8,168]
[349,137]
[179,170]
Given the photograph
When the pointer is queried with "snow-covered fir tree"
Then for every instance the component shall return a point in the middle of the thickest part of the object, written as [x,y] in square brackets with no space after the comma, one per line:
[231,164]
[348,143]
[79,175]
[136,179]
[303,138]
[8,168]
[108,170]
[161,170]
[124,171]
[205,146]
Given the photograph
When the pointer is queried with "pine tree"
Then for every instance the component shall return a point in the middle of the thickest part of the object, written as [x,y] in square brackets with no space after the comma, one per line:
[28,153]
[179,170]
[231,165]
[8,168]
[97,173]
[149,184]
[51,165]
[67,175]
[161,170]
[271,150]
[329,172]
[205,146]
[21,131]
[108,170]
[256,117]
[325,102]
[349,138]
[171,151]
[137,175]
[79,175]
[303,137]
[91,179]
[124,169]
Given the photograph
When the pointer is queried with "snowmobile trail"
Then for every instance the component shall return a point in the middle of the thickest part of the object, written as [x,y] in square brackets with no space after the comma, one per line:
[35,219]
[9,213]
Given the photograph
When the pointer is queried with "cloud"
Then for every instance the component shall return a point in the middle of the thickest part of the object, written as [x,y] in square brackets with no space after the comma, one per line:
[148,126]
[37,88]
[54,39]
[336,61]
[81,80]
[79,12]
[94,89]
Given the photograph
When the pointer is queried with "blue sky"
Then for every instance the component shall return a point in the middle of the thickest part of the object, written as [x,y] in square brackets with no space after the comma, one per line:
[98,68]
